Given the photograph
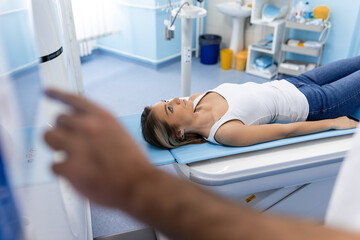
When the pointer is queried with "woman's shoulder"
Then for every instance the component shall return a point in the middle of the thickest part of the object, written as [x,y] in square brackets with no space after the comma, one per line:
[194,96]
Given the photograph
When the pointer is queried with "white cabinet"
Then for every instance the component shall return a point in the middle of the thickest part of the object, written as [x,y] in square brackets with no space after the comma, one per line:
[255,52]
[276,27]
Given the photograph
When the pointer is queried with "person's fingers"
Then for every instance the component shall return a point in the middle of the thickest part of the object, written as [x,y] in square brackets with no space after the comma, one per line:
[60,169]
[77,102]
[84,179]
[57,139]
[70,172]
[69,122]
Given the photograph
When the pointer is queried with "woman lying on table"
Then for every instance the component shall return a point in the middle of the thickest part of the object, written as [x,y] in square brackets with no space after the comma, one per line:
[250,113]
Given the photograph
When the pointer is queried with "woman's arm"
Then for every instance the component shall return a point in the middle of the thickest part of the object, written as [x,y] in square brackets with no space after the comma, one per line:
[235,133]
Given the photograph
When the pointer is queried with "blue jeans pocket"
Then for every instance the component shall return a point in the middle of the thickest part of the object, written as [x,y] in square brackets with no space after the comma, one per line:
[298,85]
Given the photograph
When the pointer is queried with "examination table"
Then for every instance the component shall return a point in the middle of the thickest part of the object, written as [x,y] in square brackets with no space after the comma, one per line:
[280,167]
[293,176]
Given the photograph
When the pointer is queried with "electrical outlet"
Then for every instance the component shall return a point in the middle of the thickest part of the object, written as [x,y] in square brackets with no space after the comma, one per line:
[187,54]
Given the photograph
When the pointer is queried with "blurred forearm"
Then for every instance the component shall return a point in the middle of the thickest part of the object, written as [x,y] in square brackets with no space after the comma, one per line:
[181,210]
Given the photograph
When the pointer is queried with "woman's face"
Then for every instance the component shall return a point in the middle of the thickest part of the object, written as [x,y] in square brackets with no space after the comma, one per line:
[177,112]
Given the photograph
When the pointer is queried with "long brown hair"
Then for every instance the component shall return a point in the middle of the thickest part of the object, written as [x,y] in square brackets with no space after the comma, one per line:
[162,135]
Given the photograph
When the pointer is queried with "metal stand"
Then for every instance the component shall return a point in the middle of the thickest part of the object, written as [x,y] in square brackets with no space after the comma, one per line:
[187,13]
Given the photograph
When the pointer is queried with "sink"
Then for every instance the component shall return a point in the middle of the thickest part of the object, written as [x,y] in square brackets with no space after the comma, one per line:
[238,14]
[234,9]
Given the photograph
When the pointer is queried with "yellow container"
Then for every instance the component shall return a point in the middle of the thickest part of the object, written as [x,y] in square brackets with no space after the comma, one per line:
[240,60]
[226,58]
[321,12]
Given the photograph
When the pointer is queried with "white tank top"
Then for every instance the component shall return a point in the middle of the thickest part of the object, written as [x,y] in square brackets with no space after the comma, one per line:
[255,104]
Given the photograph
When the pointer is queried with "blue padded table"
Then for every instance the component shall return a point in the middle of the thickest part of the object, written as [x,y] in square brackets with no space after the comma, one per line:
[200,152]
[156,155]
[194,153]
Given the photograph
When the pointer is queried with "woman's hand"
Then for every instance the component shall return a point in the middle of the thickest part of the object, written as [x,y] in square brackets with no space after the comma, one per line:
[344,123]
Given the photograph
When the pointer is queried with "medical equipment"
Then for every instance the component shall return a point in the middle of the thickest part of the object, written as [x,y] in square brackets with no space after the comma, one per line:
[54,62]
[277,177]
[343,211]
[280,172]
[272,170]
[10,225]
[48,207]
[187,11]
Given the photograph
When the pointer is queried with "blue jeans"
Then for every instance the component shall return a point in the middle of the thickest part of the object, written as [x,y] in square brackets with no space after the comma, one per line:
[332,90]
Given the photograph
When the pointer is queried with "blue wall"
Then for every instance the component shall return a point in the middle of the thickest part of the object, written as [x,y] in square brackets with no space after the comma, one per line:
[16,34]
[143,38]
[142,32]
[137,35]
[8,5]
[355,42]
[344,31]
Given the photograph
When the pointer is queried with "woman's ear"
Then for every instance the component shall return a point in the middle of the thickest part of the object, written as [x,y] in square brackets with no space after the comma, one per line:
[180,134]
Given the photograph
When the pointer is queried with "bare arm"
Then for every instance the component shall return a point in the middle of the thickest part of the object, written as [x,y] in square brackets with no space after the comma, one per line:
[235,133]
[183,211]
[105,164]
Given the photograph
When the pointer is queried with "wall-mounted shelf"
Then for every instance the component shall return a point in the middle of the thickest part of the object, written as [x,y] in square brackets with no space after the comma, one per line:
[292,72]
[264,50]
[315,52]
[286,48]
[268,24]
[260,74]
[305,27]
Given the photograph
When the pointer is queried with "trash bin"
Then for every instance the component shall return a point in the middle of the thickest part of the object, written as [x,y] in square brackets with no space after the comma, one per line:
[226,56]
[209,48]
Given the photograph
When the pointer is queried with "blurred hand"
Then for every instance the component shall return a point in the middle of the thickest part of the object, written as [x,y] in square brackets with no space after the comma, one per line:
[344,123]
[102,160]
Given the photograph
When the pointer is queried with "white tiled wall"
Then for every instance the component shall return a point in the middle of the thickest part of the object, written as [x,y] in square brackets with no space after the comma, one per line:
[218,23]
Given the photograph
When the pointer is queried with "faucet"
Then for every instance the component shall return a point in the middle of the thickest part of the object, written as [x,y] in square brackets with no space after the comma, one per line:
[241,2]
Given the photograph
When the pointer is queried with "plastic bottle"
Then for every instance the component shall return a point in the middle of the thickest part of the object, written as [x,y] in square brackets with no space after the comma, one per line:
[299,11]
[292,15]
[306,11]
